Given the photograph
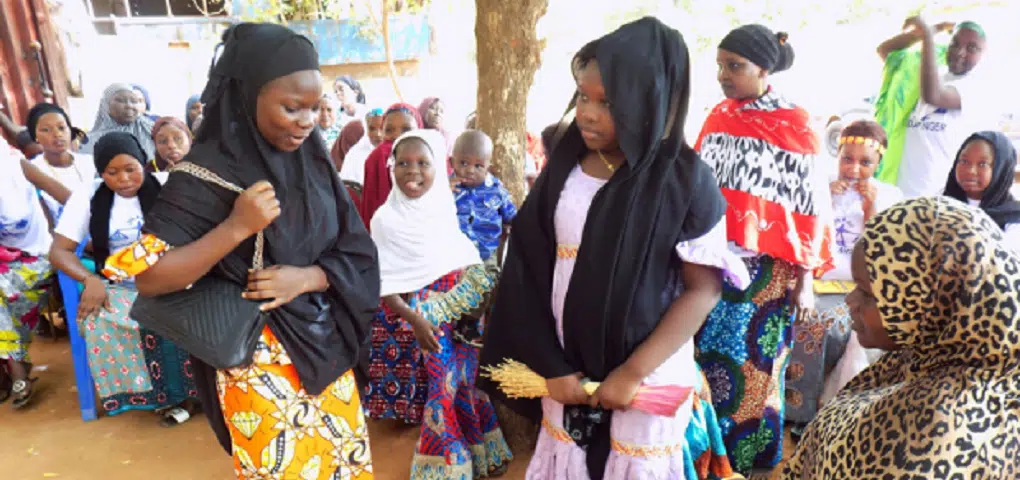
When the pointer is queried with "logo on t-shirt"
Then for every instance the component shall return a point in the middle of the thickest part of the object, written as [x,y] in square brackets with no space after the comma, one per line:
[13,229]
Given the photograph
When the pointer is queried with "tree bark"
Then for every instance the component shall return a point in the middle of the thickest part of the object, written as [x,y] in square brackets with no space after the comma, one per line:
[385,29]
[509,52]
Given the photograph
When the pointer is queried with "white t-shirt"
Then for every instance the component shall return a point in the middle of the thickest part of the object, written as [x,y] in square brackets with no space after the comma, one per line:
[1010,234]
[22,221]
[353,168]
[848,224]
[934,136]
[126,216]
[80,173]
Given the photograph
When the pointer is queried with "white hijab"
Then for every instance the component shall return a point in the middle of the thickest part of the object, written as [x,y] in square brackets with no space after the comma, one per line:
[420,240]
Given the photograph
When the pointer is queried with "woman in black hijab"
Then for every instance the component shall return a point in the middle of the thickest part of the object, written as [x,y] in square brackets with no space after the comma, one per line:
[983,175]
[322,287]
[614,264]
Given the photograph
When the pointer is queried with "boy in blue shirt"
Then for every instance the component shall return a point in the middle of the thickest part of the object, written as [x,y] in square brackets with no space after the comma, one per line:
[484,207]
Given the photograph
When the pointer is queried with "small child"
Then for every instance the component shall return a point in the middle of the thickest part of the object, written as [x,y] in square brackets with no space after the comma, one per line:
[484,207]
[983,176]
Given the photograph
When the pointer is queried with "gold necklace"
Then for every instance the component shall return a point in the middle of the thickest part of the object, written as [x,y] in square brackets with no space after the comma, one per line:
[610,166]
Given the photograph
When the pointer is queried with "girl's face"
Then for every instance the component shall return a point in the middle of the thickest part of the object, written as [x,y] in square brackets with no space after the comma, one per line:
[434,115]
[413,169]
[740,78]
[327,113]
[124,175]
[593,116]
[287,109]
[375,129]
[347,96]
[172,143]
[53,133]
[975,167]
[140,98]
[857,162]
[194,112]
[396,124]
[864,315]
[125,106]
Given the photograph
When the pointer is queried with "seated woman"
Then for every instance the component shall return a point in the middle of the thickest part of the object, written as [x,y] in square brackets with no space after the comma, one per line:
[423,252]
[133,368]
[173,142]
[24,274]
[51,127]
[983,176]
[122,110]
[936,287]
[826,353]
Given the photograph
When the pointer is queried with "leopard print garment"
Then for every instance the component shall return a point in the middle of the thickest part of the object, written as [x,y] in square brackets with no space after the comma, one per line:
[947,404]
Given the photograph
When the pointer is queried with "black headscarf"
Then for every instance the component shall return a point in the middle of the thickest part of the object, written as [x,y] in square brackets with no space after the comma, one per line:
[318,226]
[41,109]
[997,201]
[109,146]
[663,194]
[761,46]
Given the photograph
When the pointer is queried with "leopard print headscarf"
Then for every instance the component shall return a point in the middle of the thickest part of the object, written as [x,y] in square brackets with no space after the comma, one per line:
[947,403]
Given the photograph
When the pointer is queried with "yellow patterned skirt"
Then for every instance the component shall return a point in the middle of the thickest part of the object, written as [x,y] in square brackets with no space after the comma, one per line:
[279,431]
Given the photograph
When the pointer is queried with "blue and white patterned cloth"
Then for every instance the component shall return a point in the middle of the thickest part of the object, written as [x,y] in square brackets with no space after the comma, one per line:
[482,212]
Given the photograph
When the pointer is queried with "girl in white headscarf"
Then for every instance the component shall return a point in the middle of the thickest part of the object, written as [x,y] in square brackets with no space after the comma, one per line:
[121,110]
[423,253]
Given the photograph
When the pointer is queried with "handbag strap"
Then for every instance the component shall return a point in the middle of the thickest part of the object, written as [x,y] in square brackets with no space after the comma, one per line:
[204,174]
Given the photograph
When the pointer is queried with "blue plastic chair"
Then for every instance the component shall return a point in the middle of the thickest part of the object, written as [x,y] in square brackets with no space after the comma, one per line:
[71,291]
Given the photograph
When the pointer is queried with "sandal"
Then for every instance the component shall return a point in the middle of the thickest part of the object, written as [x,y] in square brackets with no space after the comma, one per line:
[174,416]
[23,393]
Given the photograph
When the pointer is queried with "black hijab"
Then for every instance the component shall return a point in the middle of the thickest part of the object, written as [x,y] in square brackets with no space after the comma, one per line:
[109,146]
[318,226]
[663,194]
[40,109]
[997,200]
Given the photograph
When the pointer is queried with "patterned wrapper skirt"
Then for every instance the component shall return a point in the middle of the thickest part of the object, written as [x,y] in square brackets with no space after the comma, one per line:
[818,344]
[743,349]
[23,288]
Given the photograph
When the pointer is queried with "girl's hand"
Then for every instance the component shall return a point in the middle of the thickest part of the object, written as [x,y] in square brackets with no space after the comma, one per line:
[838,187]
[567,390]
[93,297]
[426,333]
[868,193]
[802,299]
[281,283]
[617,391]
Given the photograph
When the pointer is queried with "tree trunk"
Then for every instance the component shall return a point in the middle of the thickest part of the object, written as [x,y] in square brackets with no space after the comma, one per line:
[385,29]
[509,52]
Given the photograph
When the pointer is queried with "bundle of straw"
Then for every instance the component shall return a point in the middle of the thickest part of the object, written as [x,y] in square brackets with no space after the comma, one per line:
[519,381]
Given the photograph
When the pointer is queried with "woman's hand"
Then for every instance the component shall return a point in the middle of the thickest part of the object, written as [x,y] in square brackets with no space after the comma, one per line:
[425,332]
[93,297]
[802,300]
[567,390]
[617,391]
[838,187]
[255,208]
[279,283]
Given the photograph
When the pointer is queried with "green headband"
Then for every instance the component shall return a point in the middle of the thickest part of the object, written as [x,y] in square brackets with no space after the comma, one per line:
[972,26]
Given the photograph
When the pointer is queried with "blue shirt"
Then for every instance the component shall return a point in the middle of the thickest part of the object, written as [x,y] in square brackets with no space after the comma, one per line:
[482,211]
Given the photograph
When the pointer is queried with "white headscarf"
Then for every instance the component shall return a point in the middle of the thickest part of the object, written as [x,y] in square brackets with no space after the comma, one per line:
[419,239]
[141,127]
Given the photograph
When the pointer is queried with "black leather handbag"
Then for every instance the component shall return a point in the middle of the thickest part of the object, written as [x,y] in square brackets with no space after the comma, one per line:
[210,319]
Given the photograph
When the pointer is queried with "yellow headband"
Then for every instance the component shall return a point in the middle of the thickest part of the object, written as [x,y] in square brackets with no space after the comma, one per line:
[871,142]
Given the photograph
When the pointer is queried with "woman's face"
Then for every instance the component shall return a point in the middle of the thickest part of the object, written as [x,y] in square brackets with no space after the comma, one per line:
[53,133]
[124,175]
[125,106]
[375,129]
[864,315]
[412,169]
[857,162]
[740,78]
[193,112]
[434,115]
[140,98]
[347,96]
[327,113]
[172,143]
[593,116]
[975,168]
[287,109]
[396,124]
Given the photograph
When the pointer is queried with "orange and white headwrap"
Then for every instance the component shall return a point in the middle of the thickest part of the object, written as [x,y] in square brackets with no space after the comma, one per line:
[858,140]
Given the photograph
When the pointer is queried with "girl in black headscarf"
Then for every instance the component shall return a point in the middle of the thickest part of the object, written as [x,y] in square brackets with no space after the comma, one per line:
[983,176]
[322,285]
[614,263]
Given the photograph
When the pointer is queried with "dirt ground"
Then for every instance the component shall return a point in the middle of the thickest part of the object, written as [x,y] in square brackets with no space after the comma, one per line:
[49,439]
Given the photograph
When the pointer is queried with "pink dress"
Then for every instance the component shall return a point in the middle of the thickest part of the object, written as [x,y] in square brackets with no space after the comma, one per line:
[643,446]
